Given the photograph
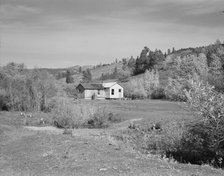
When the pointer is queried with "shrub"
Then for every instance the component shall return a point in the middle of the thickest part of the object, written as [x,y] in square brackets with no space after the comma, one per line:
[4,99]
[158,93]
[102,119]
[175,90]
[158,126]
[209,126]
[142,87]
[68,114]
[201,140]
[217,81]
[99,119]
[71,91]
[167,140]
[114,118]
[134,89]
[76,114]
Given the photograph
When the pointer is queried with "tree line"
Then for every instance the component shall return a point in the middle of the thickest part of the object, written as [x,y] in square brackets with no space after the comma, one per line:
[25,90]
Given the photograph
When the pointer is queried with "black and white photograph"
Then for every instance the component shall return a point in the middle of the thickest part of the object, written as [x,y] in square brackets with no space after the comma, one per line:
[111,87]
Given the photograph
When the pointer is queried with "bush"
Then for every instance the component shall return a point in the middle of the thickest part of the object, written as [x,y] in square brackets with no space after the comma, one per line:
[76,114]
[166,140]
[4,99]
[71,91]
[143,87]
[158,93]
[201,140]
[217,81]
[175,90]
[102,119]
[209,126]
[99,119]
[64,122]
[68,114]
[134,89]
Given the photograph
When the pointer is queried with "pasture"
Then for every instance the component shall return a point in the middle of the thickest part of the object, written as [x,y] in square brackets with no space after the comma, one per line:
[47,151]
[148,110]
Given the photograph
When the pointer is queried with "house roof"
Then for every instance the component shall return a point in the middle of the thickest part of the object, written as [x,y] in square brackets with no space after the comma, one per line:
[91,86]
[109,84]
[97,86]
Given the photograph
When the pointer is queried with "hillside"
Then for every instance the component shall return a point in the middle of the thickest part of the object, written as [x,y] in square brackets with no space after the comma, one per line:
[166,64]
[107,69]
[96,72]
[62,71]
[76,77]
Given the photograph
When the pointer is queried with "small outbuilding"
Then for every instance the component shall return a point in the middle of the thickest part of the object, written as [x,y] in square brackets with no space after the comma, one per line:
[107,90]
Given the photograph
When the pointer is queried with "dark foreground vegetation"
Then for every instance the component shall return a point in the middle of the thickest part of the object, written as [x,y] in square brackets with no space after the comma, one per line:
[197,139]
[192,75]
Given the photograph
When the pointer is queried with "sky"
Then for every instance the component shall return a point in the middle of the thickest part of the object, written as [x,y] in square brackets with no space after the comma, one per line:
[64,33]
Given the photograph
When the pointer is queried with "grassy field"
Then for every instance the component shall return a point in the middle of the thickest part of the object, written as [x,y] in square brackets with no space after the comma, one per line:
[47,151]
[148,110]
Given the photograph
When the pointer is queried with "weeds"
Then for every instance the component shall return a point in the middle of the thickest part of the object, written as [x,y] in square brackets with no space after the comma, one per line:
[69,114]
[102,119]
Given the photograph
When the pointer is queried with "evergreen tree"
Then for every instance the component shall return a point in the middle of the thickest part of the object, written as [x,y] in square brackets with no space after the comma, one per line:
[87,76]
[218,42]
[173,50]
[149,60]
[69,78]
[115,73]
[131,64]
[168,52]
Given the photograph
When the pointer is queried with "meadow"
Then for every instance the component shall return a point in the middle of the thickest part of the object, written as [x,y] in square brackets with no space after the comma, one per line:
[26,150]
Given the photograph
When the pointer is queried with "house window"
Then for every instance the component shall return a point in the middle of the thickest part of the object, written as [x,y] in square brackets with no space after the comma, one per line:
[112,91]
[98,92]
[119,90]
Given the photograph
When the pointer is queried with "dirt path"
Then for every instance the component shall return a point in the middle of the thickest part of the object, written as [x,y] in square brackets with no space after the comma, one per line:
[40,151]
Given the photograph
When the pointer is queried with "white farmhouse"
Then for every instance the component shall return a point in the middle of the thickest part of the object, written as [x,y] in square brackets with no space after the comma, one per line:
[107,90]
[113,90]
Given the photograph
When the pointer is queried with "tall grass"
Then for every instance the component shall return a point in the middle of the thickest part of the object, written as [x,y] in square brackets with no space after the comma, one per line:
[77,114]
[67,114]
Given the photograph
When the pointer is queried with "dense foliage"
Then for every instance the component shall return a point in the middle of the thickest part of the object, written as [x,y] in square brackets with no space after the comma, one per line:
[78,114]
[69,78]
[87,75]
[204,62]
[203,139]
[148,60]
[24,90]
[140,88]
